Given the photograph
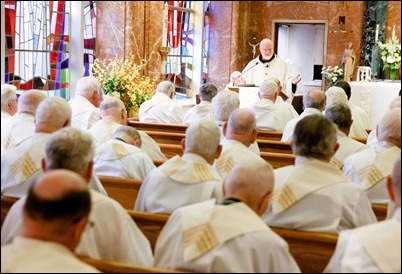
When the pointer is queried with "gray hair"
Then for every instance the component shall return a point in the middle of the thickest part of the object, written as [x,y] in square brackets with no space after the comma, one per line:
[314,136]
[165,87]
[340,114]
[207,91]
[241,121]
[54,112]
[268,88]
[69,148]
[29,101]
[129,131]
[336,95]
[389,127]
[250,182]
[203,137]
[395,103]
[86,86]
[224,103]
[314,98]
[8,93]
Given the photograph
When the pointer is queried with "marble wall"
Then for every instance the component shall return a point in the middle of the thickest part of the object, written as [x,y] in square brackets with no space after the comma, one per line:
[133,27]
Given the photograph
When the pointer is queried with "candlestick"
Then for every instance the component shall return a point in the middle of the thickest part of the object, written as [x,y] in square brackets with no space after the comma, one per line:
[165,19]
[393,33]
[377,29]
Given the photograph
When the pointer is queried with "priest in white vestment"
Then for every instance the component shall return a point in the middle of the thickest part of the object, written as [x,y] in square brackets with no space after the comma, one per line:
[110,234]
[9,104]
[313,195]
[368,169]
[21,125]
[122,156]
[314,102]
[186,179]
[203,110]
[223,104]
[239,133]
[341,116]
[229,237]
[162,108]
[85,104]
[113,114]
[373,248]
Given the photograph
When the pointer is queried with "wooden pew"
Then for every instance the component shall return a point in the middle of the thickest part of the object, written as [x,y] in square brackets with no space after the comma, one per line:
[278,160]
[6,203]
[170,150]
[274,146]
[311,250]
[166,137]
[172,128]
[150,224]
[123,190]
[269,135]
[118,267]
[380,211]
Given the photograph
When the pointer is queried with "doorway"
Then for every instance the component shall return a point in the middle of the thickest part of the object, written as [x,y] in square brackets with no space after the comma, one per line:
[303,44]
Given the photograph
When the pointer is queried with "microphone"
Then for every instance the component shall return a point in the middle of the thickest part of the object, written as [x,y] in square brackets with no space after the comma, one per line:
[256,63]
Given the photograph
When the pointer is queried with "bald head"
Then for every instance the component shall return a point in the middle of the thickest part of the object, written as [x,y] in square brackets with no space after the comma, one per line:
[54,184]
[252,184]
[395,103]
[315,98]
[29,101]
[57,208]
[113,109]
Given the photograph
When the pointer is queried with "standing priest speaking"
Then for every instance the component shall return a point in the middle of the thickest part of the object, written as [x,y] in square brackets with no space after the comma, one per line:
[267,65]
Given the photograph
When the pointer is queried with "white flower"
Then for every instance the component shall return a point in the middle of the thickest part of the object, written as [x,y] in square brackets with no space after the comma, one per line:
[391,53]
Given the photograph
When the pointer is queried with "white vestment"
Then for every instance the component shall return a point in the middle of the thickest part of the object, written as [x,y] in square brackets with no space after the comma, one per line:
[110,233]
[5,115]
[372,248]
[84,113]
[209,238]
[103,131]
[234,152]
[361,121]
[161,109]
[277,68]
[287,135]
[304,199]
[286,112]
[347,147]
[266,115]
[372,138]
[179,181]
[369,169]
[21,166]
[116,158]
[28,255]
[15,130]
[202,111]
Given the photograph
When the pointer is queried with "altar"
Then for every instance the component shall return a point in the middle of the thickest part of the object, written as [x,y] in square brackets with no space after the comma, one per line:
[374,97]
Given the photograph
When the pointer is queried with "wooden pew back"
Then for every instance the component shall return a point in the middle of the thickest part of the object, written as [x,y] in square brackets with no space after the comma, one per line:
[123,190]
[118,267]
[6,203]
[380,211]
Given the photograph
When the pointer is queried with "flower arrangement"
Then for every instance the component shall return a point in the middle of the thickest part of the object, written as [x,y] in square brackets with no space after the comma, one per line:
[332,74]
[391,53]
[124,79]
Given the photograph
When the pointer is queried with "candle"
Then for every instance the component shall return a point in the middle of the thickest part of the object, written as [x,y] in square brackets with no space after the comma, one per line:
[393,33]
[377,29]
[165,19]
